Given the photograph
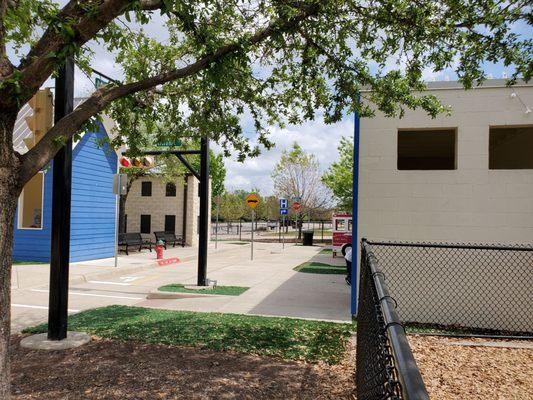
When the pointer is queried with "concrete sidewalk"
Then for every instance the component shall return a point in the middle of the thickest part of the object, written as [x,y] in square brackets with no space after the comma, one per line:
[274,287]
[33,275]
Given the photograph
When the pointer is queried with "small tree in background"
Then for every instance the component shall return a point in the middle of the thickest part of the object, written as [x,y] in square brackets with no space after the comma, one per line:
[339,176]
[232,205]
[297,175]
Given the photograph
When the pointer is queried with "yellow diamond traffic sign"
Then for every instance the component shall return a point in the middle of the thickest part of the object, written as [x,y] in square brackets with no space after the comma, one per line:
[252,200]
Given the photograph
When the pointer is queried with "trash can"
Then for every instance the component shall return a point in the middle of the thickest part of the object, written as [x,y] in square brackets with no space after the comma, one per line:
[308,238]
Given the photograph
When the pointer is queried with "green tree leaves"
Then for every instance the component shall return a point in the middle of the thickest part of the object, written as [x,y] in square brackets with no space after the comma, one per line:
[339,176]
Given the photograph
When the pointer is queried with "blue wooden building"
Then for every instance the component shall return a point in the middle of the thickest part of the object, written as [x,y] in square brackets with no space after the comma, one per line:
[93,213]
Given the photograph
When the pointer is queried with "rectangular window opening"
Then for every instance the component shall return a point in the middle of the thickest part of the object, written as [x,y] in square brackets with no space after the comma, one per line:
[340,225]
[146,189]
[31,203]
[146,223]
[428,149]
[170,223]
[511,147]
[171,189]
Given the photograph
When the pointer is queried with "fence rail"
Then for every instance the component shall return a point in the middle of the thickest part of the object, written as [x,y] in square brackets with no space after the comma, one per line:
[242,229]
[481,288]
[385,366]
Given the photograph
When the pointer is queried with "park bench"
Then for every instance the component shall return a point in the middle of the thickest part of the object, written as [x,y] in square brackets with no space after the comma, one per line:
[168,238]
[135,240]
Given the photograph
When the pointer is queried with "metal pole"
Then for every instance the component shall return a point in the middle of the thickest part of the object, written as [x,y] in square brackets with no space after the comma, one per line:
[204,204]
[216,230]
[240,229]
[355,205]
[252,247]
[61,204]
[283,235]
[117,211]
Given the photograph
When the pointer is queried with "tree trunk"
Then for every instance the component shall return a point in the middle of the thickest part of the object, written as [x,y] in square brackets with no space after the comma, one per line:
[122,204]
[8,204]
[122,213]
[9,192]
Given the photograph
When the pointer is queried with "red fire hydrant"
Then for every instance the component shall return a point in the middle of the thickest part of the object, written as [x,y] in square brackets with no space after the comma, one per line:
[159,249]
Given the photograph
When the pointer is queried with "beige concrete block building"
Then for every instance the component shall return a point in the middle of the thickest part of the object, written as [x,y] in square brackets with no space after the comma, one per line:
[466,177]
[154,205]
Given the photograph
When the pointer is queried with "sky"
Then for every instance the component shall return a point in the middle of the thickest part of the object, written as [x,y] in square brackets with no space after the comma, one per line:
[314,137]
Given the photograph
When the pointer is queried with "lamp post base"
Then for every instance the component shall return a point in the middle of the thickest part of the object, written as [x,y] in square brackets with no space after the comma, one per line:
[41,342]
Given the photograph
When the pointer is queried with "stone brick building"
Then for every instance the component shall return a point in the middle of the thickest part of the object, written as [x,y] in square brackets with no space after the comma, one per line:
[154,205]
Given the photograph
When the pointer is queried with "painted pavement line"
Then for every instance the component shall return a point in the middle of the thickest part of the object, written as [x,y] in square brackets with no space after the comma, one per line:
[38,307]
[110,283]
[92,295]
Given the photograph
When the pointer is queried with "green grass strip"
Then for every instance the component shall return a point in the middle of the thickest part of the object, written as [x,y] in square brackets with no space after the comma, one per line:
[312,267]
[223,290]
[28,262]
[326,251]
[269,336]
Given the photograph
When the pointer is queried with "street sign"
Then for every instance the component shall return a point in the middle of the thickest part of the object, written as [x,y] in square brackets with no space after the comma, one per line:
[283,211]
[168,143]
[252,200]
[283,203]
[296,206]
[99,82]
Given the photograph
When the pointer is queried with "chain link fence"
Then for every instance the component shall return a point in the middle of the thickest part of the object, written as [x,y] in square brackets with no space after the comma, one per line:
[385,367]
[486,289]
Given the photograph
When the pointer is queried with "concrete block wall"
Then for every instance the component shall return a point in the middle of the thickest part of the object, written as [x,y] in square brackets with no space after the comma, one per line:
[193,211]
[157,205]
[469,204]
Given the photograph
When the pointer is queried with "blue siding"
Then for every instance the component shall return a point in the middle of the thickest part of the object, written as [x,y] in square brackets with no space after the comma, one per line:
[34,244]
[92,230]
[93,207]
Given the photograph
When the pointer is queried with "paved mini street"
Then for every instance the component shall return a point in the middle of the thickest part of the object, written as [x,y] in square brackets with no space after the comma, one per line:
[275,288]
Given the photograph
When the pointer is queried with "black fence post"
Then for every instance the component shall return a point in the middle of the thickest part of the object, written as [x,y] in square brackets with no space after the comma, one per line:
[204,204]
[61,205]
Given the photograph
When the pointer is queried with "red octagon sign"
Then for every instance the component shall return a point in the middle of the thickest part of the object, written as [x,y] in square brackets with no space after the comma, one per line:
[296,206]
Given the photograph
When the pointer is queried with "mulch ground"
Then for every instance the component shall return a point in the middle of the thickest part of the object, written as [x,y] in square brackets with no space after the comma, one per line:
[474,373]
[107,369]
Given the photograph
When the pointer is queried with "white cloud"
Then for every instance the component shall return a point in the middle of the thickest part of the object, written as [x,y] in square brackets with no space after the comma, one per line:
[315,137]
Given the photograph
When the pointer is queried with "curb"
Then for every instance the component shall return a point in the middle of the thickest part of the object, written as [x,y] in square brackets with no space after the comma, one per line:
[83,278]
[123,270]
[160,295]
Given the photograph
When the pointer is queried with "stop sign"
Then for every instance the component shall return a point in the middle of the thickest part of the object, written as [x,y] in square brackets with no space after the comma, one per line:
[296,206]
